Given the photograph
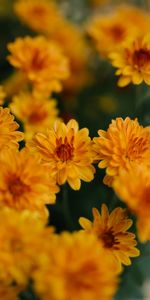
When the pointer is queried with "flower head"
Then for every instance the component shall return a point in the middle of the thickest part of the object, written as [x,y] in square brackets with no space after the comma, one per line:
[35,111]
[41,61]
[41,16]
[21,236]
[133,61]
[111,31]
[66,151]
[88,275]
[124,144]
[25,183]
[9,136]
[133,187]
[111,230]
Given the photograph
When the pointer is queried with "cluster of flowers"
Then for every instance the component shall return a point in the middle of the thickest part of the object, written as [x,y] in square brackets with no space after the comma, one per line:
[122,36]
[56,153]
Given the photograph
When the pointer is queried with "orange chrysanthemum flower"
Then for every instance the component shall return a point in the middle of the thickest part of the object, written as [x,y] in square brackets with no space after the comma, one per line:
[21,236]
[39,15]
[124,144]
[133,61]
[88,275]
[111,230]
[9,137]
[111,30]
[41,61]
[25,184]
[35,111]
[66,151]
[133,187]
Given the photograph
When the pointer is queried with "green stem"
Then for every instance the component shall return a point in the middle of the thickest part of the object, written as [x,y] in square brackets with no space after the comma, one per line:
[66,208]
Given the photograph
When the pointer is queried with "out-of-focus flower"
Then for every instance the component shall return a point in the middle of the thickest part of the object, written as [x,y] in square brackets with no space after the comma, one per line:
[21,236]
[66,151]
[88,275]
[72,40]
[111,230]
[111,30]
[2,95]
[133,61]
[35,111]
[25,183]
[14,83]
[56,27]
[124,144]
[41,16]
[133,187]
[9,136]
[41,61]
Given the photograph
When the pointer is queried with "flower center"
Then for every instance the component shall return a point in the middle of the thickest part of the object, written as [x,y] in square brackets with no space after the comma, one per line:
[16,187]
[39,60]
[38,11]
[117,32]
[64,150]
[37,116]
[141,57]
[108,239]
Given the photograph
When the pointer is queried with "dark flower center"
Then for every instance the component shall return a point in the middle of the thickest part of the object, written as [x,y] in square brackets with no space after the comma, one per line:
[108,239]
[16,187]
[141,57]
[64,150]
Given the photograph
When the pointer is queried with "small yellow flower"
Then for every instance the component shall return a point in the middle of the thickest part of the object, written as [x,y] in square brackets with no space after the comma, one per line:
[41,61]
[25,183]
[133,187]
[110,31]
[133,61]
[111,230]
[67,153]
[124,144]
[77,268]
[21,237]
[9,137]
[35,111]
[41,16]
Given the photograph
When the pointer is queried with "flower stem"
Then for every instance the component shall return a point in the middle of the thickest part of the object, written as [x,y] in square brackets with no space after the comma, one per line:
[66,208]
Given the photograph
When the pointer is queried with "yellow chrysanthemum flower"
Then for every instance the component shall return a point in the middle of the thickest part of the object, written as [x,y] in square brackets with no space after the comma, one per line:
[89,275]
[133,61]
[56,27]
[39,15]
[21,236]
[66,151]
[110,31]
[9,136]
[41,61]
[35,111]
[111,230]
[124,144]
[133,187]
[25,183]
